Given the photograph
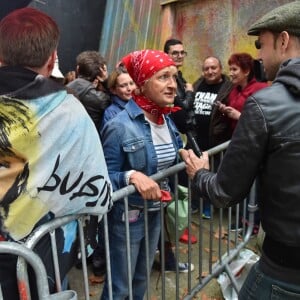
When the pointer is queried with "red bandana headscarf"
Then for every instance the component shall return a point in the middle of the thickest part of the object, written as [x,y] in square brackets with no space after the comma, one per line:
[142,65]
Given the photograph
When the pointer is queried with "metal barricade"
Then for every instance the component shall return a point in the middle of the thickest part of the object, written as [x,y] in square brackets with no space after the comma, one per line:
[212,255]
[49,228]
[227,245]
[196,281]
[41,277]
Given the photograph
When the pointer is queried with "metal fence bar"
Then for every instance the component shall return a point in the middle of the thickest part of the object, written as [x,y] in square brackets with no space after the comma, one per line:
[83,257]
[128,249]
[176,238]
[107,257]
[55,260]
[22,276]
[146,216]
[232,248]
[162,250]
[224,260]
[49,228]
[39,269]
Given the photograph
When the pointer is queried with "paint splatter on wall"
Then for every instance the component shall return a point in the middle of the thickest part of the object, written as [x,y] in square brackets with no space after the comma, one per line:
[218,28]
[206,27]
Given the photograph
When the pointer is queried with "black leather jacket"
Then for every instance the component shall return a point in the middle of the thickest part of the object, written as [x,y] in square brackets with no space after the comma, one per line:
[95,102]
[266,145]
[183,99]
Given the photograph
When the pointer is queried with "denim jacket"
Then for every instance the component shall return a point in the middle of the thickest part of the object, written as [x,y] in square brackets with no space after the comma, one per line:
[110,112]
[127,145]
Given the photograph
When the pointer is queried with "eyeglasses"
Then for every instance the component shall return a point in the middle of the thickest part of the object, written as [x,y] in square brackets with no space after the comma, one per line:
[176,53]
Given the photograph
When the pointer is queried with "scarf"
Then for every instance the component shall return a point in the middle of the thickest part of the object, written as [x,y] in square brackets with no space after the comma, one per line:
[150,107]
[142,65]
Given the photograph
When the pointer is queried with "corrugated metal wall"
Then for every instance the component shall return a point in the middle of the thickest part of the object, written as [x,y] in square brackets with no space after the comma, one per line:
[129,25]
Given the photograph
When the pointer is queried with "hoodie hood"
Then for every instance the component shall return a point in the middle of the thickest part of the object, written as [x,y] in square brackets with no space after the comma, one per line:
[289,75]
[25,84]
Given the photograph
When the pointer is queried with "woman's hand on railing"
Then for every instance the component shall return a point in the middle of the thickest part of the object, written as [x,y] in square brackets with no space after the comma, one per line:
[147,187]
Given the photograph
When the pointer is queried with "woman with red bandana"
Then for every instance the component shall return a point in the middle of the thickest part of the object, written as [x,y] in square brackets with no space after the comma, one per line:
[140,141]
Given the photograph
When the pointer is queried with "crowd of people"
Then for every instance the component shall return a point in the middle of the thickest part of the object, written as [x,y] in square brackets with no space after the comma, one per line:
[51,157]
[141,118]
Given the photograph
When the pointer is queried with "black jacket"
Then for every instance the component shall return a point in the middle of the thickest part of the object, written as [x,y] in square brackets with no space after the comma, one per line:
[219,128]
[183,99]
[266,145]
[95,102]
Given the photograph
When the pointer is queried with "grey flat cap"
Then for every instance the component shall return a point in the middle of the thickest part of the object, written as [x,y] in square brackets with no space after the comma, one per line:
[282,18]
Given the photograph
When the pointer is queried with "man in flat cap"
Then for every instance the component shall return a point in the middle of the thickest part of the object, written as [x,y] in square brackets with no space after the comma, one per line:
[266,146]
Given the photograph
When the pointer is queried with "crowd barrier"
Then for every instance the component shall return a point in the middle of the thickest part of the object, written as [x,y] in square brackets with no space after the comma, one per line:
[212,255]
[36,263]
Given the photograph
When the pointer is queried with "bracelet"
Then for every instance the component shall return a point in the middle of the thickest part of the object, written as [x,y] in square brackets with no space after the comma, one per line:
[127,176]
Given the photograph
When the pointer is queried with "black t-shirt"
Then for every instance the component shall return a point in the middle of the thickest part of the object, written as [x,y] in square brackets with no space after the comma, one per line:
[204,98]
[180,116]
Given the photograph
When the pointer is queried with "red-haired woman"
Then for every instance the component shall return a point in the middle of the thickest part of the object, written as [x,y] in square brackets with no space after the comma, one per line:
[241,72]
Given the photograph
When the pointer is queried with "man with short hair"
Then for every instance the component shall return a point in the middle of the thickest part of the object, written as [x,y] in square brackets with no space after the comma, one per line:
[184,93]
[51,158]
[211,127]
[91,72]
[266,145]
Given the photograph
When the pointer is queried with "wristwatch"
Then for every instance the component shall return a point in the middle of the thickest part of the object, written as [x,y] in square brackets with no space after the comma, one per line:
[127,176]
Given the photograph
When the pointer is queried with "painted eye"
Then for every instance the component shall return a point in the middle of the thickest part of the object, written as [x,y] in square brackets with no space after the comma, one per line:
[4,165]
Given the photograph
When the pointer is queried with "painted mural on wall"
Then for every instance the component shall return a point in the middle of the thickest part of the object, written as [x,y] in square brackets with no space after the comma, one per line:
[212,27]
[129,25]
[206,27]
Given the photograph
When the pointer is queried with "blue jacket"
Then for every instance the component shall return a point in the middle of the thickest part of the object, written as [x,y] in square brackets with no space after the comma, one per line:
[127,145]
[112,110]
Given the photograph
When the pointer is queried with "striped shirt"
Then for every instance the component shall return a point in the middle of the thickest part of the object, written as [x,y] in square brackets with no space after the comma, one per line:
[163,145]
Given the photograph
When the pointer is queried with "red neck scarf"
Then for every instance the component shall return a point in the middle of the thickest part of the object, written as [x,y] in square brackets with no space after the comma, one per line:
[155,110]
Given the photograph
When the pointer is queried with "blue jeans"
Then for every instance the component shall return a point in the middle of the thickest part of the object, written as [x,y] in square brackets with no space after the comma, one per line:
[259,286]
[118,261]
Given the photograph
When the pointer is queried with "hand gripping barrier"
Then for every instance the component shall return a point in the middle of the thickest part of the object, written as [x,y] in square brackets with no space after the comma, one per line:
[211,246]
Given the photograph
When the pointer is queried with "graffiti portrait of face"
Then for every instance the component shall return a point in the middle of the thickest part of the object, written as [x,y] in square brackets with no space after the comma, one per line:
[13,165]
[13,175]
